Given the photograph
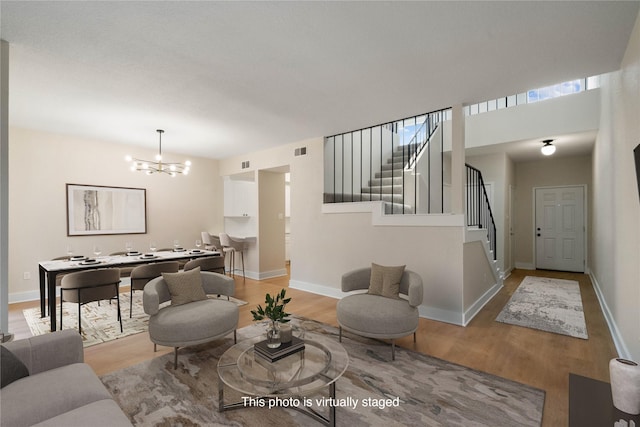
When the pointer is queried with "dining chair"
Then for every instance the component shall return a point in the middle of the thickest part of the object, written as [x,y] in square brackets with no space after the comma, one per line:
[143,274]
[213,263]
[60,276]
[87,286]
[207,241]
[124,271]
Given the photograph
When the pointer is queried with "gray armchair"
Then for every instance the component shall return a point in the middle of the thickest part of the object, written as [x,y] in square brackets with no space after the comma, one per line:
[192,323]
[376,316]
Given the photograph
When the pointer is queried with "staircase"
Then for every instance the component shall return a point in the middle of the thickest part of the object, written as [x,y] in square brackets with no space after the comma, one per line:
[380,163]
[388,184]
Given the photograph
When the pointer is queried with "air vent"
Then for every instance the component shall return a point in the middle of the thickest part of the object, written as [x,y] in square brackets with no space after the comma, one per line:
[300,151]
[245,165]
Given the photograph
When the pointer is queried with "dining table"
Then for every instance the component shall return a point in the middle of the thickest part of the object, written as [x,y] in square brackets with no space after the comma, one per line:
[49,270]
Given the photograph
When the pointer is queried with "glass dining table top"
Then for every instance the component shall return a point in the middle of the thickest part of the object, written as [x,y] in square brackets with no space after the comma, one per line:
[321,363]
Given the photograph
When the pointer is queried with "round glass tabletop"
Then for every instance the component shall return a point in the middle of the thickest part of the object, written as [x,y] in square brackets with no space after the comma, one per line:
[322,362]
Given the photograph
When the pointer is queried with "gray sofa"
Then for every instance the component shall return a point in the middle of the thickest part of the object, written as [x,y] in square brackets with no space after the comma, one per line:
[60,389]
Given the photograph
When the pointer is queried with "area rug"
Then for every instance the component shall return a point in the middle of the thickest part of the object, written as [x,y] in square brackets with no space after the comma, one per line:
[429,391]
[551,305]
[99,322]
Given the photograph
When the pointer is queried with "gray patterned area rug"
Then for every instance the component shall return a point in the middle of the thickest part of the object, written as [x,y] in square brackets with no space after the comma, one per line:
[429,391]
[99,322]
[551,305]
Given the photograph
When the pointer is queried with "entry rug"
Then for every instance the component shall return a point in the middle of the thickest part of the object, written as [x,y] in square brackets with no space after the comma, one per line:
[99,322]
[413,390]
[552,305]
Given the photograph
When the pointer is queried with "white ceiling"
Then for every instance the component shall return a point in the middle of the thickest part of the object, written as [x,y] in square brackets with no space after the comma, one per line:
[227,78]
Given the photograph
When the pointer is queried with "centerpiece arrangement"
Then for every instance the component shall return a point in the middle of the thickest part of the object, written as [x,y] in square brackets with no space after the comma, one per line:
[274,312]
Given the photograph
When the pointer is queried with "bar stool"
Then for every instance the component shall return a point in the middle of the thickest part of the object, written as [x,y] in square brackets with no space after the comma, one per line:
[231,246]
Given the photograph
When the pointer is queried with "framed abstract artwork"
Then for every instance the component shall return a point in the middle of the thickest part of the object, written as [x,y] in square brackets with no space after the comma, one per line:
[96,210]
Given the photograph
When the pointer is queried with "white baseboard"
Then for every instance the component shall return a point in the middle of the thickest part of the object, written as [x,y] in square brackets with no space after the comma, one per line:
[273,273]
[525,266]
[618,341]
[35,295]
[27,296]
[440,315]
[480,303]
[327,291]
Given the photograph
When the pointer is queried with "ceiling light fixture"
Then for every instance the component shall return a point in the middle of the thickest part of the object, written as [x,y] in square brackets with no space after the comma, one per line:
[158,166]
[548,148]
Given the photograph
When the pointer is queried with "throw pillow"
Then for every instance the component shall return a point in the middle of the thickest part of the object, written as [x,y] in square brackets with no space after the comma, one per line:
[12,368]
[391,285]
[185,287]
[385,281]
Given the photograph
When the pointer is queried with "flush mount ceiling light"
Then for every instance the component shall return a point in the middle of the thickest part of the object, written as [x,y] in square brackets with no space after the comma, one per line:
[548,148]
[158,166]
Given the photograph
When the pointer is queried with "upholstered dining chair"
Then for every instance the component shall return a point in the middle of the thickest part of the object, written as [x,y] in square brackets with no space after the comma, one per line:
[124,271]
[211,263]
[87,286]
[60,276]
[231,246]
[142,274]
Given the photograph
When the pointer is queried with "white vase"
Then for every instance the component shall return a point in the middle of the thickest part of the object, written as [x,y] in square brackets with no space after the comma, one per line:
[625,385]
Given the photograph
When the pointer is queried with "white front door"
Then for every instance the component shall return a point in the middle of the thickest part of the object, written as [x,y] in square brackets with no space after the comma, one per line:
[559,228]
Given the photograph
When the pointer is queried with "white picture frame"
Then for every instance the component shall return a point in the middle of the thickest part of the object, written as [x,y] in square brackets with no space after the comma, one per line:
[100,210]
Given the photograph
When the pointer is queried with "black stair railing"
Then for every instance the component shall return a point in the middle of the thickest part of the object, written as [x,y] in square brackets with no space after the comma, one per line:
[369,164]
[478,207]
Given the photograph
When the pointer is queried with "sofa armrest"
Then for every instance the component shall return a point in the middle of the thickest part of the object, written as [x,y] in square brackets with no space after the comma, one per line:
[218,284]
[48,351]
[356,280]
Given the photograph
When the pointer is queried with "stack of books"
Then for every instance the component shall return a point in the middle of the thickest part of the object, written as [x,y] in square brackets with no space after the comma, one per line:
[273,354]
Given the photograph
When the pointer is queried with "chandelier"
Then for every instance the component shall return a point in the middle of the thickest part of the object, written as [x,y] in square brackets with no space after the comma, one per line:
[158,166]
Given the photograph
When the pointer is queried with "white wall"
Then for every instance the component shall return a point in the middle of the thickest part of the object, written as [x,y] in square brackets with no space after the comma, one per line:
[615,265]
[563,115]
[271,224]
[42,163]
[478,277]
[325,245]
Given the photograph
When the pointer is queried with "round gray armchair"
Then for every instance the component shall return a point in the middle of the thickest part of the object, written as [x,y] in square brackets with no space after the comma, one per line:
[192,322]
[377,316]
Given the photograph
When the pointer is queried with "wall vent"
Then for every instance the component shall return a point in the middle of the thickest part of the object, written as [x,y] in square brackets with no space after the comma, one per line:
[245,165]
[300,151]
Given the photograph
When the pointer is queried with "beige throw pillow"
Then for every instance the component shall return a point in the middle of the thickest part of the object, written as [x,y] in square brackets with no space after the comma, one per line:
[185,287]
[385,281]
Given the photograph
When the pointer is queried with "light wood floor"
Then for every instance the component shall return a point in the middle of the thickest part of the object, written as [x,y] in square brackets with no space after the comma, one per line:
[540,359]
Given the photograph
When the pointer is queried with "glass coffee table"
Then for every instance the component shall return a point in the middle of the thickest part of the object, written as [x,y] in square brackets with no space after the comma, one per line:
[288,382]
